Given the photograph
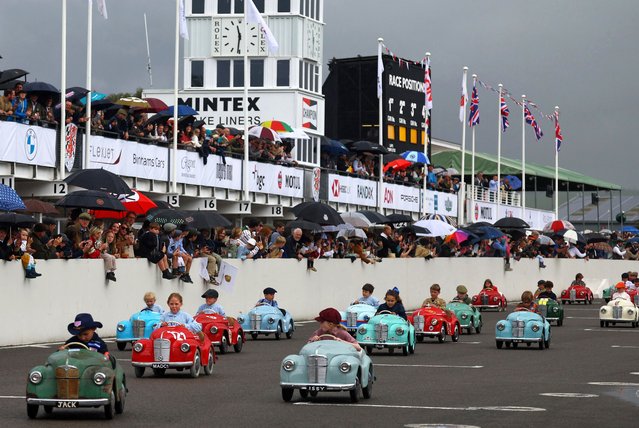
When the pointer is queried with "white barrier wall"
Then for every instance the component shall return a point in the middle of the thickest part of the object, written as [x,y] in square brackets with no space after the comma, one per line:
[39,310]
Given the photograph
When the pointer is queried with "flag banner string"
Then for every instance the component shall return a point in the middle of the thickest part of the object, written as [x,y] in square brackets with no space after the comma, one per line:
[423,63]
[406,62]
[507,93]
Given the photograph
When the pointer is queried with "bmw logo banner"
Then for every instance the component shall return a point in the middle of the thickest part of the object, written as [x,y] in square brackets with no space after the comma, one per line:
[26,144]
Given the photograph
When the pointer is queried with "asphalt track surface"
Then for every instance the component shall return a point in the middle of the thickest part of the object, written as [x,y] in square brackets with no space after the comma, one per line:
[588,377]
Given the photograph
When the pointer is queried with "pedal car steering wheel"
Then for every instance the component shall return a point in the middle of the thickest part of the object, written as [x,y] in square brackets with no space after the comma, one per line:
[172,324]
[385,311]
[263,304]
[208,311]
[328,336]
[68,345]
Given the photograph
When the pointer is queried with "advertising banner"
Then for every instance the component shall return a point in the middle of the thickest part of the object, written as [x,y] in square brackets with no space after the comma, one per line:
[487,211]
[27,144]
[191,170]
[440,203]
[352,190]
[129,159]
[398,197]
[276,179]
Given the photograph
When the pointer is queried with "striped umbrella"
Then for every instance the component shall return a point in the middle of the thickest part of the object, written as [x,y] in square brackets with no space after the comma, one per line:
[441,217]
[264,133]
[277,126]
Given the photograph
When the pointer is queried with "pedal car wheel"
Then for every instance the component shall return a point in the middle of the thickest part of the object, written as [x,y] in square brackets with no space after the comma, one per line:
[304,394]
[195,368]
[411,348]
[119,404]
[224,345]
[109,409]
[32,410]
[254,335]
[507,344]
[563,302]
[560,322]
[208,369]
[278,333]
[455,336]
[515,344]
[238,346]
[48,409]
[291,328]
[369,350]
[287,394]
[470,326]
[420,338]
[139,371]
[442,334]
[354,393]
[391,350]
[547,343]
[529,344]
[367,392]
[121,346]
[478,328]
[405,350]
[602,324]
[541,342]
[499,344]
[159,372]
[313,394]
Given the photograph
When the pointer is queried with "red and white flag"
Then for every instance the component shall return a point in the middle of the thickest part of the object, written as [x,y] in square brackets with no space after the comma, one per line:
[102,8]
[463,99]
[427,86]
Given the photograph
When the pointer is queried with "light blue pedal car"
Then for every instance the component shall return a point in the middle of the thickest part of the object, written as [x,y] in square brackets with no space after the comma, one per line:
[327,366]
[139,326]
[265,319]
[387,330]
[523,327]
[356,315]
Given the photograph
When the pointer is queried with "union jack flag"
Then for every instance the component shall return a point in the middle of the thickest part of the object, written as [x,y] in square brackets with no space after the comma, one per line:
[558,137]
[473,117]
[530,120]
[504,112]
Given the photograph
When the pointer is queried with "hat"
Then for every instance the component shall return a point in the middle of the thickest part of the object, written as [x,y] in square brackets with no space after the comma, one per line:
[169,227]
[39,227]
[85,216]
[620,285]
[252,242]
[330,315]
[462,289]
[176,233]
[48,220]
[541,282]
[210,293]
[269,290]
[83,322]
[121,111]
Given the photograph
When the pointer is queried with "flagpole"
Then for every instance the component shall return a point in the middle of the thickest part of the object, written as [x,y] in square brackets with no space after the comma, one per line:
[523,156]
[472,159]
[175,97]
[499,132]
[463,156]
[148,52]
[244,105]
[88,95]
[380,117]
[426,139]
[63,91]
[556,168]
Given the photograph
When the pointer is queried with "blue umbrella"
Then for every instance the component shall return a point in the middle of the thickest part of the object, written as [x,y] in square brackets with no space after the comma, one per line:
[515,182]
[40,87]
[630,229]
[487,232]
[183,110]
[95,96]
[415,156]
[9,199]
[333,147]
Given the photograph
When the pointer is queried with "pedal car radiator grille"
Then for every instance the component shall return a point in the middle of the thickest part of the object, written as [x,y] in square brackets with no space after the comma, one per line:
[518,328]
[256,322]
[418,322]
[573,294]
[68,381]
[138,328]
[317,365]
[162,350]
[382,332]
[351,319]
[617,311]
[543,310]
[485,299]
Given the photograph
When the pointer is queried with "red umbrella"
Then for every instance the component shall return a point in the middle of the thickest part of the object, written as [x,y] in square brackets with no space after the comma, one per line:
[397,165]
[557,225]
[155,106]
[136,202]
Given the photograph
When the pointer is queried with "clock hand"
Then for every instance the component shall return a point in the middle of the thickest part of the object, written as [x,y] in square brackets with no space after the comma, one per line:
[239,38]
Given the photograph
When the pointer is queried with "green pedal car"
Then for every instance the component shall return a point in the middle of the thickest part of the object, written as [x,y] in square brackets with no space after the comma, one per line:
[552,310]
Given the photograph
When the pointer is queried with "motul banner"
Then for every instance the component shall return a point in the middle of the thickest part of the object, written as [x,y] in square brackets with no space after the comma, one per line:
[276,179]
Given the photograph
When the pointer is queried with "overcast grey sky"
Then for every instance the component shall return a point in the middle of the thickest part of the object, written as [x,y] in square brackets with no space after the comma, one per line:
[578,54]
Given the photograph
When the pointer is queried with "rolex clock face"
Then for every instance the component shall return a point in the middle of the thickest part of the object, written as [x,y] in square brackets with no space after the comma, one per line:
[229,38]
[313,41]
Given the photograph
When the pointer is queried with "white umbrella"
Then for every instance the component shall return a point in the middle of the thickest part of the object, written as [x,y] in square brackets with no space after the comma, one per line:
[297,133]
[436,227]
[571,236]
[353,233]
[356,219]
[333,228]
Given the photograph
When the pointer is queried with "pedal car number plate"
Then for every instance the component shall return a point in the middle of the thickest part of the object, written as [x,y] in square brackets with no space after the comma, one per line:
[517,341]
[159,366]
[67,404]
[316,388]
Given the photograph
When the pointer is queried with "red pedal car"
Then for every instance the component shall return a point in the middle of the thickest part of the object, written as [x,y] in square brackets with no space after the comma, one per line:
[431,321]
[173,347]
[577,293]
[490,298]
[221,331]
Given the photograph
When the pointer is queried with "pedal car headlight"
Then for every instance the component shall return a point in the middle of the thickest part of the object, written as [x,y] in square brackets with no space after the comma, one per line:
[630,312]
[535,327]
[345,367]
[35,377]
[99,378]
[213,330]
[366,318]
[555,309]
[185,347]
[120,327]
[494,299]
[603,310]
[464,316]
[271,321]
[240,319]
[138,347]
[288,365]
[501,326]
[433,322]
[399,331]
[361,330]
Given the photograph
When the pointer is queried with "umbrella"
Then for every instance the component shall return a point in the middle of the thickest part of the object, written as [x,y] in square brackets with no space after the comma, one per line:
[163,216]
[9,199]
[304,225]
[511,223]
[595,237]
[12,74]
[606,231]
[40,87]
[367,146]
[92,200]
[545,240]
[99,179]
[155,106]
[570,236]
[436,227]
[356,219]
[133,102]
[515,182]
[137,202]
[277,126]
[633,240]
[101,104]
[183,110]
[397,165]
[557,225]
[319,213]
[38,206]
[162,204]
[296,134]
[488,232]
[264,133]
[337,228]
[459,236]
[374,216]
[20,220]
[208,220]
[76,93]
[415,156]
[95,96]
[630,229]
[399,218]
[333,147]
[444,218]
[352,234]
[479,224]
[418,230]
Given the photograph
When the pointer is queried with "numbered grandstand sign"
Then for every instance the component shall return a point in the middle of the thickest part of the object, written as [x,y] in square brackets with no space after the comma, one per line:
[173,200]
[71,137]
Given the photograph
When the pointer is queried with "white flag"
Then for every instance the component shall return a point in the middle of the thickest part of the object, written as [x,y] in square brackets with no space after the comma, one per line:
[253,16]
[184,30]
[380,70]
[428,90]
[102,8]
[463,100]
